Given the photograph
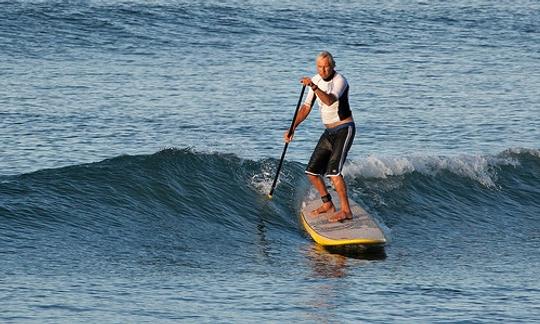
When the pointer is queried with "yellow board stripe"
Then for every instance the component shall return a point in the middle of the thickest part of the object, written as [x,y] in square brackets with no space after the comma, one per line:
[325,241]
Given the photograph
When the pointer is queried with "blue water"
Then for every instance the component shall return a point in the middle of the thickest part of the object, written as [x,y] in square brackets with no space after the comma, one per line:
[138,140]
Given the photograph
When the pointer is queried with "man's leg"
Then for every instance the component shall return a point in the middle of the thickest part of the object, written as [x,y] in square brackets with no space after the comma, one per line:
[343,141]
[318,182]
[316,166]
[341,189]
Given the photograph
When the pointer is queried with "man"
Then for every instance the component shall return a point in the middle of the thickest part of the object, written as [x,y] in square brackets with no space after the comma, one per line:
[331,91]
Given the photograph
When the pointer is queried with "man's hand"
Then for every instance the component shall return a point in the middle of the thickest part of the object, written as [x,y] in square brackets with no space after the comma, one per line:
[306,81]
[287,138]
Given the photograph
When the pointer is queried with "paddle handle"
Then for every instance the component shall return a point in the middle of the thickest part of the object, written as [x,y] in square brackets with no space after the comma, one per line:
[287,144]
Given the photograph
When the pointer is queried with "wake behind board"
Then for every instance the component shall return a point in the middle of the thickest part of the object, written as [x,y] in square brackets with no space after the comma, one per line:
[362,230]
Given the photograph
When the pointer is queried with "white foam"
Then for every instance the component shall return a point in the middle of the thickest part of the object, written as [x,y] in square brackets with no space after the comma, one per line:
[262,182]
[476,167]
[263,179]
[520,150]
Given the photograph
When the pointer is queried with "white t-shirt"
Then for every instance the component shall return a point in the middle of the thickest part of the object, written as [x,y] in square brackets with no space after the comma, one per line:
[337,86]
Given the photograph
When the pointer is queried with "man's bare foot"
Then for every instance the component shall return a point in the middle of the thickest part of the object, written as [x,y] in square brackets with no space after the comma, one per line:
[325,207]
[340,216]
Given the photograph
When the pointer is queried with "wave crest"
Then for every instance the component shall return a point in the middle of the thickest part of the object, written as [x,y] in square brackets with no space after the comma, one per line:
[480,168]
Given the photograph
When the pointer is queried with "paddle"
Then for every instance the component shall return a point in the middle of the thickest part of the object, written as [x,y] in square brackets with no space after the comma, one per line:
[286,144]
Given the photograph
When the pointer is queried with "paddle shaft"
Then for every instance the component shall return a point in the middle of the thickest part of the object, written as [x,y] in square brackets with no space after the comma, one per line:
[287,144]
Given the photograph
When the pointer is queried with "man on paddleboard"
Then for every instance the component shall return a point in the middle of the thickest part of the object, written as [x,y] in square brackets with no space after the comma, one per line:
[331,91]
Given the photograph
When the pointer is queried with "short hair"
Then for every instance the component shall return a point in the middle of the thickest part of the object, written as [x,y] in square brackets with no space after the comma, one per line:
[326,54]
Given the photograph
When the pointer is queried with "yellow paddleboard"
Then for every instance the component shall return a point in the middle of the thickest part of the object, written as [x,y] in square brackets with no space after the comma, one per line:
[362,230]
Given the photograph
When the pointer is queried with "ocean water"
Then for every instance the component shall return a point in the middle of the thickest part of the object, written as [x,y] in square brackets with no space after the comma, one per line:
[138,140]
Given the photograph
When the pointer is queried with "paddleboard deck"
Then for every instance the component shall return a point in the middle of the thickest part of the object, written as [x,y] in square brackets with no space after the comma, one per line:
[362,230]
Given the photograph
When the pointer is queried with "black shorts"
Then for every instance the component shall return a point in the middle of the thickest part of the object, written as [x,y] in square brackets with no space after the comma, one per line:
[331,151]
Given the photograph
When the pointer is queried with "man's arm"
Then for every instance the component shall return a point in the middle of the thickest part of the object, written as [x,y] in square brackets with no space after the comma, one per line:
[303,112]
[327,98]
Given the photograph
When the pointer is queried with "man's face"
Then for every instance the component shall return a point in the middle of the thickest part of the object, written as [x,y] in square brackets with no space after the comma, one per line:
[324,68]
